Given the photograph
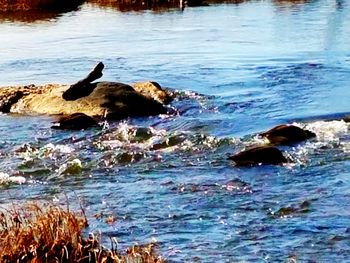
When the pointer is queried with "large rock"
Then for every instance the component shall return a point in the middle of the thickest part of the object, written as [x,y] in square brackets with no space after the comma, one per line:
[112,100]
[287,134]
[259,155]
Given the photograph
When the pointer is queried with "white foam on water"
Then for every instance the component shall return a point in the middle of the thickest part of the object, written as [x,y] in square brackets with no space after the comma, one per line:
[57,148]
[327,131]
[258,140]
[345,146]
[7,179]
[328,136]
[124,137]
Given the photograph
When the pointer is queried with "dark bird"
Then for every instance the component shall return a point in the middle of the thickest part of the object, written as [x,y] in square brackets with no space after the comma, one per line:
[85,86]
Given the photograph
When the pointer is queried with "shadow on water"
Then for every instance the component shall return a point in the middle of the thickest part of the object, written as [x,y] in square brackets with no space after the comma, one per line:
[30,16]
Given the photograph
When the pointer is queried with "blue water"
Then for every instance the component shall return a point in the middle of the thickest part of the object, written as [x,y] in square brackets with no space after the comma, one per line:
[237,69]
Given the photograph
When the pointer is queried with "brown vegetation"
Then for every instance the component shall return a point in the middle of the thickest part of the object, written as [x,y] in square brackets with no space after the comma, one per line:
[52,234]
[136,5]
[25,5]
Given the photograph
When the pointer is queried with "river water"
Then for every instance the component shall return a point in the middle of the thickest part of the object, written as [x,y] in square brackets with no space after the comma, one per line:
[237,69]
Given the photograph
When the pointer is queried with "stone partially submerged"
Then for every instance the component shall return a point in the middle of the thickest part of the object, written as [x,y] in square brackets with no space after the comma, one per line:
[268,154]
[110,100]
[76,121]
[287,135]
[259,155]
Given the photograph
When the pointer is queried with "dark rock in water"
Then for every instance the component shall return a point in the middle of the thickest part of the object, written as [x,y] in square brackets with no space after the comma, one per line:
[85,86]
[76,121]
[123,101]
[259,155]
[287,134]
[292,210]
[6,102]
[168,142]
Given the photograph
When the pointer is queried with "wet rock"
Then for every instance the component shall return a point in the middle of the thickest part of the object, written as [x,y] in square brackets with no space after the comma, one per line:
[10,99]
[292,210]
[287,134]
[122,101]
[259,155]
[129,157]
[71,167]
[76,121]
[153,90]
[168,142]
[140,134]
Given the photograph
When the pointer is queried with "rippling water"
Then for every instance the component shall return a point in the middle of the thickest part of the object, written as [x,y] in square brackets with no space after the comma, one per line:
[237,69]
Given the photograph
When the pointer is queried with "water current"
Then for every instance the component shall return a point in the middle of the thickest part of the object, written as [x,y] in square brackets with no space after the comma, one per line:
[237,69]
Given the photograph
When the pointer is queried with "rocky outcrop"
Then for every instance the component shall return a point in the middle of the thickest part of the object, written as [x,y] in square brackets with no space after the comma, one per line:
[259,155]
[287,135]
[112,100]
[268,154]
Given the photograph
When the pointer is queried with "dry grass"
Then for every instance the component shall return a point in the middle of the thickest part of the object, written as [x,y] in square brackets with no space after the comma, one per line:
[25,5]
[136,5]
[50,233]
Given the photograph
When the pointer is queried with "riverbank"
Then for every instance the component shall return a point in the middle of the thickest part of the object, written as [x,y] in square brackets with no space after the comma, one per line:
[26,5]
[59,5]
[46,233]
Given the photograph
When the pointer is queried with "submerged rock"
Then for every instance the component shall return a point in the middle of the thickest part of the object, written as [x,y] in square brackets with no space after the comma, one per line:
[122,101]
[292,210]
[76,121]
[259,155]
[287,134]
[71,167]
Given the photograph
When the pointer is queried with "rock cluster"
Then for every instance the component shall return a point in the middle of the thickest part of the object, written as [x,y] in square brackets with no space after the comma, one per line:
[80,106]
[270,154]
